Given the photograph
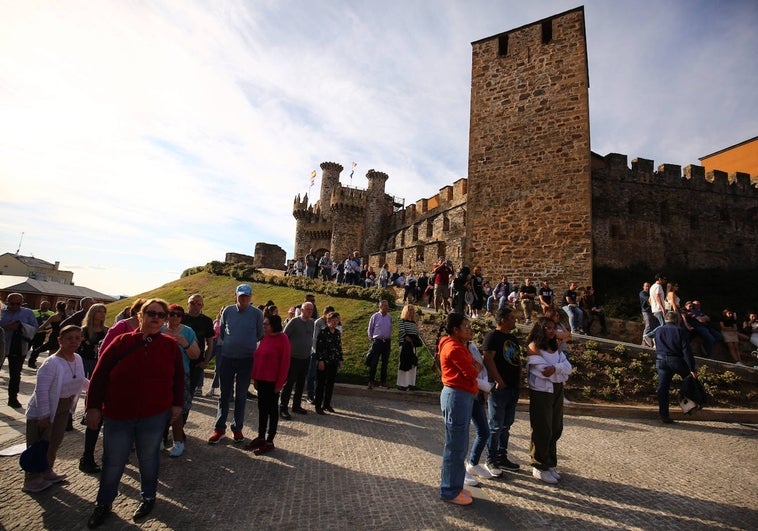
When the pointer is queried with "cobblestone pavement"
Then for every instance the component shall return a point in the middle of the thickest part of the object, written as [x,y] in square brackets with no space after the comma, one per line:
[375,465]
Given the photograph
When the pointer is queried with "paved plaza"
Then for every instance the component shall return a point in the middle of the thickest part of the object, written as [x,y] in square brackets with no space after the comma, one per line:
[376,463]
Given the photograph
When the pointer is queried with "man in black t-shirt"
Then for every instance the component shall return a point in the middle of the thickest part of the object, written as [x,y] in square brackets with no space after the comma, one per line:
[202,325]
[502,357]
[527,294]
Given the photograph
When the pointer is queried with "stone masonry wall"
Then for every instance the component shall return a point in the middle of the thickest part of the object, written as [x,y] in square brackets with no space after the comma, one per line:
[269,256]
[669,220]
[529,193]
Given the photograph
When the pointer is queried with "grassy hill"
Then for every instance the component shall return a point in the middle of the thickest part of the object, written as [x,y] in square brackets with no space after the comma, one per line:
[600,374]
[218,291]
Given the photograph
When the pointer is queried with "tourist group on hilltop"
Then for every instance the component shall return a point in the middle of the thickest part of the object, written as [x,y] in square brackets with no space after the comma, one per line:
[142,373]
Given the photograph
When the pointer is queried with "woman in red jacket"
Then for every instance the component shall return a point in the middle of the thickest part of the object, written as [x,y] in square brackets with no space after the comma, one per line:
[459,372]
[272,364]
[136,388]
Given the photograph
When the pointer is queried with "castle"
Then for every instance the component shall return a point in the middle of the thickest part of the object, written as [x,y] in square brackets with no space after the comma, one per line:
[537,202]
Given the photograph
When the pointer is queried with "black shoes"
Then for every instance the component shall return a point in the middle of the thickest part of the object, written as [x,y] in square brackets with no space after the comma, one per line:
[330,409]
[98,516]
[88,465]
[32,364]
[299,411]
[506,464]
[145,507]
[667,420]
[14,403]
[284,414]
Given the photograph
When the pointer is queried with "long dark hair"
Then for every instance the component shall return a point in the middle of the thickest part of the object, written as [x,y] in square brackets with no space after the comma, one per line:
[538,337]
[453,320]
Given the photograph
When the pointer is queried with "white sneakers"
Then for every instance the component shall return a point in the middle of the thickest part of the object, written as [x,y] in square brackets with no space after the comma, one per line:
[555,473]
[494,471]
[470,480]
[544,475]
[478,470]
[177,450]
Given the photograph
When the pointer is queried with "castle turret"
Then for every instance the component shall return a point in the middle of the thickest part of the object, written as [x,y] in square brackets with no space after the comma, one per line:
[348,208]
[378,212]
[330,181]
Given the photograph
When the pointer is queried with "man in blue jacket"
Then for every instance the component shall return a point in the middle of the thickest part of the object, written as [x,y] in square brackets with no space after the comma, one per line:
[673,356]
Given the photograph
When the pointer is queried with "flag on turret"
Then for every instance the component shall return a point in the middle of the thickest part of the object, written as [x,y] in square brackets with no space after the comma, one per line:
[353,170]
[313,177]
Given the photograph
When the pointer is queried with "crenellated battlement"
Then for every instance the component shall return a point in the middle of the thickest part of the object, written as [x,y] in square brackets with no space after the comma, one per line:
[345,198]
[530,203]
[613,167]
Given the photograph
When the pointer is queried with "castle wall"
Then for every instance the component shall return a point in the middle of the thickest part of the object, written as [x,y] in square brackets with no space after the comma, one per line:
[529,193]
[237,258]
[269,256]
[669,219]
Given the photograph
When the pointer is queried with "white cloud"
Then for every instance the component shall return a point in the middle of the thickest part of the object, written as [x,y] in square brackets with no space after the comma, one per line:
[159,136]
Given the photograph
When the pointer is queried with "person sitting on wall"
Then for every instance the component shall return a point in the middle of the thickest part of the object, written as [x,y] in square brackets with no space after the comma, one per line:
[696,326]
[592,310]
[572,309]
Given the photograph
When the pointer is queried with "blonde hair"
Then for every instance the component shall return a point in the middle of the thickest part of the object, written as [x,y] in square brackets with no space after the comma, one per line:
[408,313]
[89,320]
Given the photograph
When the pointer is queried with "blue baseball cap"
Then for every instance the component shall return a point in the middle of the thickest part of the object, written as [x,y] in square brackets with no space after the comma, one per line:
[244,289]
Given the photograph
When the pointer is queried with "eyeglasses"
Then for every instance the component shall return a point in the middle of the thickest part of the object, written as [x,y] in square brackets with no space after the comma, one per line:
[152,313]
[14,304]
[198,303]
[176,314]
[266,323]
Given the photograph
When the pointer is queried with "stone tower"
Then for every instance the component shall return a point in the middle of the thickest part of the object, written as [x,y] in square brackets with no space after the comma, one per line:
[378,211]
[529,192]
[348,209]
[330,181]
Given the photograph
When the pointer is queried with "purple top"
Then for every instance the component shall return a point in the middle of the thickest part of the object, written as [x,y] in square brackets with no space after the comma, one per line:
[380,326]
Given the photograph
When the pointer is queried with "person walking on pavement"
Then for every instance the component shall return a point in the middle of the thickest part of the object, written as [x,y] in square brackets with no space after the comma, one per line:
[672,356]
[241,328]
[300,333]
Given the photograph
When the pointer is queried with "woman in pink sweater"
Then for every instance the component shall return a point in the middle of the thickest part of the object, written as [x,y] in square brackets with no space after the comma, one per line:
[270,368]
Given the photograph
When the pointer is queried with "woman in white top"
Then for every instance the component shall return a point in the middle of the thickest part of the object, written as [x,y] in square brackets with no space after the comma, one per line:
[548,368]
[60,381]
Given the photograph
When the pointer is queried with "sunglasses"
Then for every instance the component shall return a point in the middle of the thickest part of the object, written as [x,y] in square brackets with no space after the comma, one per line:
[176,314]
[153,314]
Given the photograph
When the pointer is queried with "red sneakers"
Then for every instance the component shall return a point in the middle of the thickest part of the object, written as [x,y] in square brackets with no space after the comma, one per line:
[238,437]
[216,437]
[267,447]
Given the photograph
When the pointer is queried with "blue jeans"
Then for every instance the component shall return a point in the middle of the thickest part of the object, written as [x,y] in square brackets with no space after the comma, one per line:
[229,370]
[667,367]
[708,338]
[479,418]
[456,410]
[647,318]
[502,409]
[658,317]
[575,316]
[118,437]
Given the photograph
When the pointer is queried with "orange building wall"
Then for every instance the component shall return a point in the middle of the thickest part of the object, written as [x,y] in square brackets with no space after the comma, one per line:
[742,157]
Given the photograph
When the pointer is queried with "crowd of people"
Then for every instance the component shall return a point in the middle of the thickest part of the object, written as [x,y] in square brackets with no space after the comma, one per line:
[662,296]
[483,388]
[142,373]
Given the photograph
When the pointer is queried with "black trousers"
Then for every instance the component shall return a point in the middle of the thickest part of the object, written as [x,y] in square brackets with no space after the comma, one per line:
[380,349]
[325,384]
[268,409]
[15,364]
[295,378]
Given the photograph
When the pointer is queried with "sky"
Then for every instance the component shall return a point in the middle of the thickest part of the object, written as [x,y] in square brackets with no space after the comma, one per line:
[139,139]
